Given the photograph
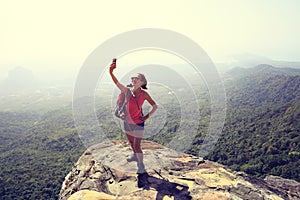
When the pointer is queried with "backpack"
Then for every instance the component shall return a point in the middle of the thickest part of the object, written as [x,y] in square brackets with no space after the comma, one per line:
[120,110]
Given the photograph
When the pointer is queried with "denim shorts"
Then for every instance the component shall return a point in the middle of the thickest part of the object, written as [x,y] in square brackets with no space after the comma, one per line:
[134,127]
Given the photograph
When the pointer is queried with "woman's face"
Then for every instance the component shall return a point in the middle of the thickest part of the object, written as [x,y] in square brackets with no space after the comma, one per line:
[137,80]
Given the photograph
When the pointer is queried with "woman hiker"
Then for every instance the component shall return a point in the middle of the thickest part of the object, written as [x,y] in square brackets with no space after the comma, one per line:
[134,118]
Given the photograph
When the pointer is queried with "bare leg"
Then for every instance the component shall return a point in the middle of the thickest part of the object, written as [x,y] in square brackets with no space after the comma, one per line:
[138,149]
[139,155]
[135,139]
[137,145]
[130,139]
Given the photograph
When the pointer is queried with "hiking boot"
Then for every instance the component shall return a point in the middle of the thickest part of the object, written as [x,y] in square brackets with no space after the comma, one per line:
[132,158]
[141,168]
[143,181]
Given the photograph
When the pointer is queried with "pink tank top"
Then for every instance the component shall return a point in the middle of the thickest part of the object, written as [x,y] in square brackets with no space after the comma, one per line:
[134,109]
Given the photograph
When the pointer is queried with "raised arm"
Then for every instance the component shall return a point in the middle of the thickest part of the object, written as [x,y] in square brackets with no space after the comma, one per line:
[115,80]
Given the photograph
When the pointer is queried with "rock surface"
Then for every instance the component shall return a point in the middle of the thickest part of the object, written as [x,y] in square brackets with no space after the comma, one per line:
[102,172]
[291,187]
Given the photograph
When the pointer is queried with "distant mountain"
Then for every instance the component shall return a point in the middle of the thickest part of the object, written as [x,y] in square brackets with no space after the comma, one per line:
[261,70]
[263,85]
[18,78]
[248,60]
[261,133]
[40,100]
[260,136]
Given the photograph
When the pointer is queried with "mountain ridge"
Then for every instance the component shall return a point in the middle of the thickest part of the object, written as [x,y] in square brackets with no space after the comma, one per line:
[261,132]
[265,69]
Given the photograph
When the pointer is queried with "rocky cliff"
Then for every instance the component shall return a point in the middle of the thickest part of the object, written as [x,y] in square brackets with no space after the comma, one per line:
[102,172]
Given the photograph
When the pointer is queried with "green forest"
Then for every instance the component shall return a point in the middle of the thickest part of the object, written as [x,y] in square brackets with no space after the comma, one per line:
[260,135]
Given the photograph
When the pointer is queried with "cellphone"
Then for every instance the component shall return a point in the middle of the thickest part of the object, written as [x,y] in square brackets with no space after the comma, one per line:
[114,60]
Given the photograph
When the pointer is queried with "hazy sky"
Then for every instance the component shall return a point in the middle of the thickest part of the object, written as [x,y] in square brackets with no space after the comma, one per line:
[55,37]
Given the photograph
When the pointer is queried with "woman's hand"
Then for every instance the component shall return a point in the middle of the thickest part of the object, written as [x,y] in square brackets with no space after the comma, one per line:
[112,67]
[144,118]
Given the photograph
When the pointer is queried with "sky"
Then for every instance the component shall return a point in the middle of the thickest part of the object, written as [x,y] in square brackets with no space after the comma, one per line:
[54,37]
